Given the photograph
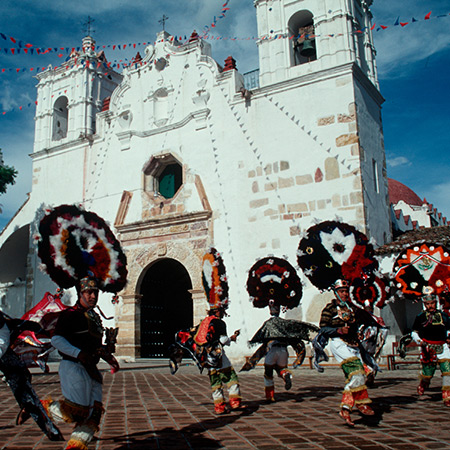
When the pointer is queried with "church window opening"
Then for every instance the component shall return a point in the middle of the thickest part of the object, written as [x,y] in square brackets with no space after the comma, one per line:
[376,181]
[161,107]
[60,118]
[163,176]
[301,26]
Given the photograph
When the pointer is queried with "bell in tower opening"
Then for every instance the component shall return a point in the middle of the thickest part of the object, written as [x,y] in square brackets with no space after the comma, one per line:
[304,42]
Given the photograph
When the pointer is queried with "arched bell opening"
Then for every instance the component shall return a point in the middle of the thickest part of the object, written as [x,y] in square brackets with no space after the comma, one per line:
[60,118]
[166,306]
[301,27]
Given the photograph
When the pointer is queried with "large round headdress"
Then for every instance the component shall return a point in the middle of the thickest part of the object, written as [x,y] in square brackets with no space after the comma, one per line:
[214,278]
[369,294]
[274,279]
[333,250]
[422,269]
[74,243]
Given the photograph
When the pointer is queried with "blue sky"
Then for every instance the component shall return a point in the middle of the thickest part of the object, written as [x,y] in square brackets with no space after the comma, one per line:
[413,65]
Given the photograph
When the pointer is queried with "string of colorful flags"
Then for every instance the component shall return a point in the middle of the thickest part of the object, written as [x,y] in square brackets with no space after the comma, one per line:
[30,49]
[86,63]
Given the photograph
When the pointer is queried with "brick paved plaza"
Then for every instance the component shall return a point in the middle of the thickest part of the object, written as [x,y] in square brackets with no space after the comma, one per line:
[147,408]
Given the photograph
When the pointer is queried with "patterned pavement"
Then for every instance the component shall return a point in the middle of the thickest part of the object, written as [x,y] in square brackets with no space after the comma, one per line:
[147,408]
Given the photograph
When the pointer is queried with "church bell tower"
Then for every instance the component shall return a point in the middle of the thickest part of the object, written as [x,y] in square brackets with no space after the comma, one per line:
[298,37]
[70,95]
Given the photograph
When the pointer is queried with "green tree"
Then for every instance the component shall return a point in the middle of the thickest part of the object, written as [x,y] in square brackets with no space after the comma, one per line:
[7,175]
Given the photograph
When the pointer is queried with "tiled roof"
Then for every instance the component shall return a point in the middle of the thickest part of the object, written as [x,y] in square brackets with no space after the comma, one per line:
[436,235]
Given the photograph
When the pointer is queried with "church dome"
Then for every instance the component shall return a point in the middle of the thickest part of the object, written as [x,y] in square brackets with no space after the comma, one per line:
[398,191]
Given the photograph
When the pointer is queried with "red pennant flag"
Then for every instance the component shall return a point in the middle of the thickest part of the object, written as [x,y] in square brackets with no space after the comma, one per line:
[4,112]
[28,45]
[428,16]
[31,69]
[17,70]
[20,108]
[114,47]
[12,50]
[60,55]
[25,50]
[383,27]
[403,23]
[35,102]
[13,40]
[134,45]
[124,45]
[373,26]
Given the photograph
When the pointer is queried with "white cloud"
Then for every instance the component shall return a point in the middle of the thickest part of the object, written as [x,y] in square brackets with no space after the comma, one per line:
[398,161]
[399,47]
[438,194]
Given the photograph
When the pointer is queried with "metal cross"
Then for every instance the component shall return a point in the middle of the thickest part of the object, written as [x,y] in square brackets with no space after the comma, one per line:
[87,26]
[163,21]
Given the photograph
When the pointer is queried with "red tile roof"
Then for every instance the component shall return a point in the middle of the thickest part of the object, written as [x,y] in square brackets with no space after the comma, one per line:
[436,235]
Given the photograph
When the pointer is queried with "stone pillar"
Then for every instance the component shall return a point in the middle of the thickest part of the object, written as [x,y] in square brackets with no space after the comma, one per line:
[129,323]
[200,305]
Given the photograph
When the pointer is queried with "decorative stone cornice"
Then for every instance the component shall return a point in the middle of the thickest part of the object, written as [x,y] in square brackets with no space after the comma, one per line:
[173,126]
[161,222]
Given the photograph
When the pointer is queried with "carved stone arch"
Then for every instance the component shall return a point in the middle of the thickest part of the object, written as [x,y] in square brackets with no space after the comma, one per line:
[60,118]
[301,26]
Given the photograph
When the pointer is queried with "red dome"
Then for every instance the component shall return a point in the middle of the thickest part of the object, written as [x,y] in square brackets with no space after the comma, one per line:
[398,191]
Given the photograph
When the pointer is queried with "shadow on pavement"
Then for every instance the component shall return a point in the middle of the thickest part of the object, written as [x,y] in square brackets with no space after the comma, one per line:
[167,438]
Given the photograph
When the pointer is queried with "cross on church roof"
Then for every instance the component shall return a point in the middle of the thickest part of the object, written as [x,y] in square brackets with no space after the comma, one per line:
[162,21]
[87,26]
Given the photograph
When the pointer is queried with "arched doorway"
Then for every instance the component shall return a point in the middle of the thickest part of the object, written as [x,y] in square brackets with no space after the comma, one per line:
[166,306]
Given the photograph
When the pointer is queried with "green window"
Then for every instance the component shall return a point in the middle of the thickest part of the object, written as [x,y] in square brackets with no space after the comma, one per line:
[170,180]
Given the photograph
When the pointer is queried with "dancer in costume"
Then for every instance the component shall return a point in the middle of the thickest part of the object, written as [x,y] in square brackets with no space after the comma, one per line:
[368,295]
[213,332]
[78,249]
[18,377]
[423,272]
[274,282]
[334,255]
[205,341]
[220,371]
[340,322]
[431,331]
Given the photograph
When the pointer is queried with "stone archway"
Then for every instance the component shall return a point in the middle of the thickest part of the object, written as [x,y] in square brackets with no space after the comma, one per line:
[166,306]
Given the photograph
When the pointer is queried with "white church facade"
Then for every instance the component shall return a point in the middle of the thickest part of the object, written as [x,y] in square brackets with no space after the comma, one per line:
[179,156]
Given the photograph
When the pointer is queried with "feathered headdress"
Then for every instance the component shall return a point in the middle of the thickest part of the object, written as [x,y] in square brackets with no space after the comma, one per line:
[274,279]
[333,250]
[422,269]
[74,243]
[214,278]
[369,294]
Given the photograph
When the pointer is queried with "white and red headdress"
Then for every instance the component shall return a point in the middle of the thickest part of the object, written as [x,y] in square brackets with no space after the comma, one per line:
[214,278]
[422,270]
[74,243]
[274,280]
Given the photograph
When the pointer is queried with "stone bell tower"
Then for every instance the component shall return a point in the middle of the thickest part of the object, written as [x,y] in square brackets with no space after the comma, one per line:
[297,37]
[70,95]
